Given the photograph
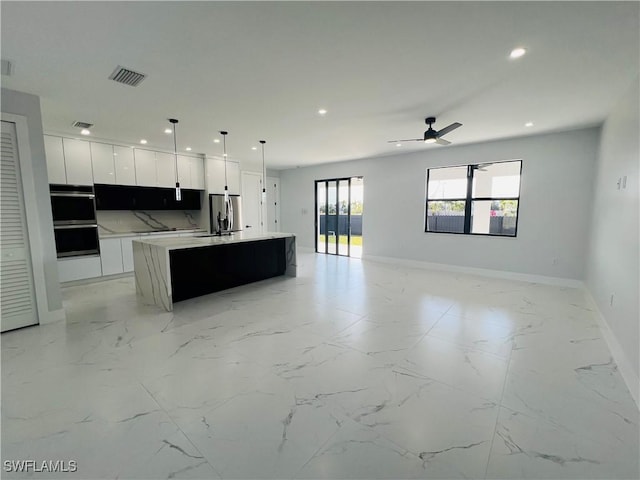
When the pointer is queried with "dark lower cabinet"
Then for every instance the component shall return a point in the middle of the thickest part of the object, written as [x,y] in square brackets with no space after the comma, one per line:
[203,270]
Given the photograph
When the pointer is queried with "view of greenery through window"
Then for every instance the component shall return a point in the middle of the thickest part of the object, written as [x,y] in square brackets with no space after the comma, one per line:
[507,208]
[474,199]
[340,214]
[356,208]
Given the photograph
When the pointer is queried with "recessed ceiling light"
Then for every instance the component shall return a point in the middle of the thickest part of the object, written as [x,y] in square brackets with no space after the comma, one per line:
[254,148]
[398,144]
[85,131]
[168,130]
[224,154]
[517,52]
[188,149]
[216,140]
[322,111]
[528,124]
[143,141]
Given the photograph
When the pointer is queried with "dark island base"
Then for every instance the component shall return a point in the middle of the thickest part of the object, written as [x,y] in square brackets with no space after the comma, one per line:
[203,270]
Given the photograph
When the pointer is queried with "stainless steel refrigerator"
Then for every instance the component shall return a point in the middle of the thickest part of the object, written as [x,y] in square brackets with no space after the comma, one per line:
[225,217]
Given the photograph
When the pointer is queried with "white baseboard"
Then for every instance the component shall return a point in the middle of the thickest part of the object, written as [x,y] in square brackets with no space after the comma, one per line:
[484,272]
[52,316]
[624,365]
[87,281]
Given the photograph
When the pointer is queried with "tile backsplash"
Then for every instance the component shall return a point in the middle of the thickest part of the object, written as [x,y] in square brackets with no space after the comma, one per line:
[127,221]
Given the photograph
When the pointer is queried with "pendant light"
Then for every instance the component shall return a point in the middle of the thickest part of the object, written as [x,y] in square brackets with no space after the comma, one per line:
[264,175]
[224,154]
[174,122]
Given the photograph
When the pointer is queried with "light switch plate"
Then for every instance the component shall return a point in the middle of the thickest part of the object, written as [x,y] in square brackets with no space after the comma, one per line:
[7,67]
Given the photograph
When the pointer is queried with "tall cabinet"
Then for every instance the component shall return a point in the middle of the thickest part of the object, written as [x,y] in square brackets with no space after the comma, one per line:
[68,161]
[124,165]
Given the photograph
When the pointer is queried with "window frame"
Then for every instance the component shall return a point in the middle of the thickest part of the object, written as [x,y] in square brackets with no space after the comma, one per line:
[469,199]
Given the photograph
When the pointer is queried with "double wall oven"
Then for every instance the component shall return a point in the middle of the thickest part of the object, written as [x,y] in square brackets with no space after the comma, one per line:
[74,220]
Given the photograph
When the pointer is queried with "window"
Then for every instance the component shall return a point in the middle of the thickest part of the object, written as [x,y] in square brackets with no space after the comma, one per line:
[477,199]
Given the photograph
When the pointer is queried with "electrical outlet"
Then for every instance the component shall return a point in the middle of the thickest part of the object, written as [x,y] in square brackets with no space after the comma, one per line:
[611,300]
[555,261]
[618,183]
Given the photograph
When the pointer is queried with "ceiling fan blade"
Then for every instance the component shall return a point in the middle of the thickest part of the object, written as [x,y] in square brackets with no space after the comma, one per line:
[446,130]
[442,141]
[407,140]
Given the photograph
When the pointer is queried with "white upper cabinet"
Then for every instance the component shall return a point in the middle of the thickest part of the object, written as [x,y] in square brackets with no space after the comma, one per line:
[103,165]
[125,166]
[146,173]
[55,159]
[191,172]
[166,168]
[184,171]
[77,159]
[216,176]
[78,162]
[197,173]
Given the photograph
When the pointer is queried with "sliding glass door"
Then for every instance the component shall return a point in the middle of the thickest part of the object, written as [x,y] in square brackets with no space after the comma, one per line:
[339,216]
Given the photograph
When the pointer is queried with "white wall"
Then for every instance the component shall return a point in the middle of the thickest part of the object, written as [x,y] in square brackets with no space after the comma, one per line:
[557,180]
[28,106]
[614,250]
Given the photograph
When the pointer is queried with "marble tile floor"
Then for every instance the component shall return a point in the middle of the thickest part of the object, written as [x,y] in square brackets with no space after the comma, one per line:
[353,369]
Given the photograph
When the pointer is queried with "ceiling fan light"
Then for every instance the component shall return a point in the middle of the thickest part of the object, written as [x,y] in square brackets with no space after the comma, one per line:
[430,136]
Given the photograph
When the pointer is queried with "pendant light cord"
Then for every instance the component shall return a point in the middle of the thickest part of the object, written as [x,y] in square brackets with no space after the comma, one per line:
[174,122]
[224,150]
[175,149]
[264,171]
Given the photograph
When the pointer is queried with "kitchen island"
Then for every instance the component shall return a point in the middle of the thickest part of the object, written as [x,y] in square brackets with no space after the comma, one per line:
[168,270]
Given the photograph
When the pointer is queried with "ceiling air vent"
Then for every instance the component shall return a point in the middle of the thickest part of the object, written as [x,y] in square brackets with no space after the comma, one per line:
[82,125]
[126,76]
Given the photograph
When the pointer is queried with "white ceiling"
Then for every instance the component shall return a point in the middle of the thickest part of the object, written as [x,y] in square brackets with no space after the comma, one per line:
[262,70]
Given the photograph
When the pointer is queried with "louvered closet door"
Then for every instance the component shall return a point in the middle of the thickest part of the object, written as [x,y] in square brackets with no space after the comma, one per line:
[18,307]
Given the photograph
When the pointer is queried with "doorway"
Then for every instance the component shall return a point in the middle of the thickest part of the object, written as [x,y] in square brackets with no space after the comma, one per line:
[339,208]
[273,204]
[18,306]
[252,208]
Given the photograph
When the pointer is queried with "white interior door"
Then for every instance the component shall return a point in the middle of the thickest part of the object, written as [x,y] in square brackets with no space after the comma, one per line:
[273,204]
[18,307]
[252,202]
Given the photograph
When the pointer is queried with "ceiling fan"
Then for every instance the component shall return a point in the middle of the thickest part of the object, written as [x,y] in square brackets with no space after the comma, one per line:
[431,135]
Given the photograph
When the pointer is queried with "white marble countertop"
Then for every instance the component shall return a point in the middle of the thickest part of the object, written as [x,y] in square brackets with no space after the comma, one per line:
[176,243]
[151,233]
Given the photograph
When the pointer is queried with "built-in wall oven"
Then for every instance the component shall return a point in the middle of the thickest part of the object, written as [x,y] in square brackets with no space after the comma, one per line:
[74,220]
